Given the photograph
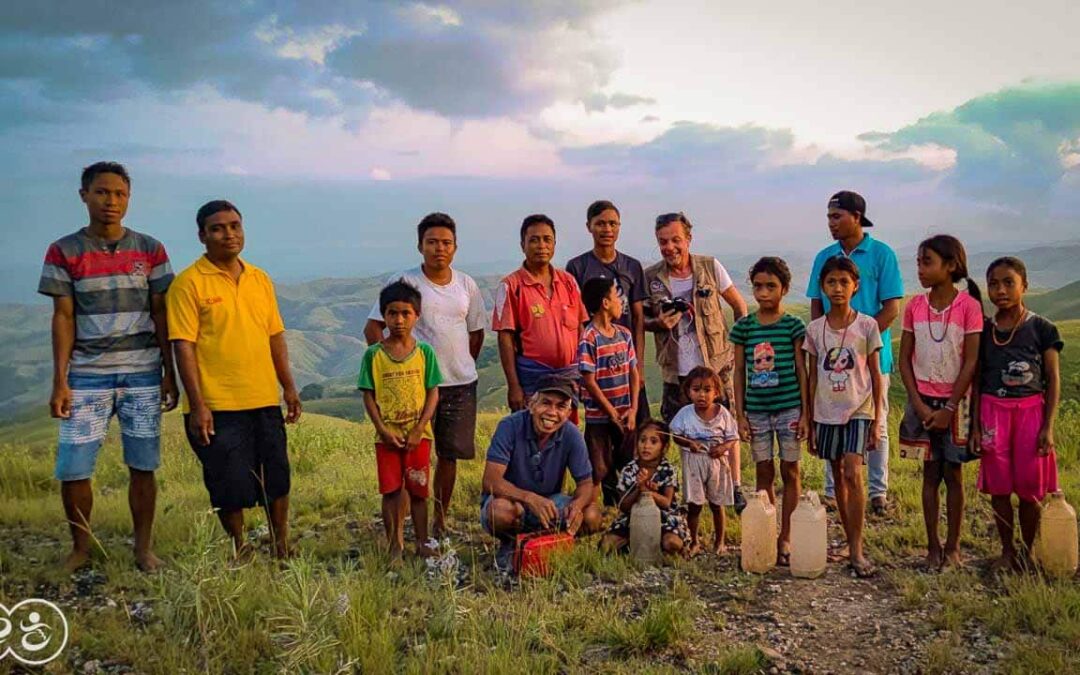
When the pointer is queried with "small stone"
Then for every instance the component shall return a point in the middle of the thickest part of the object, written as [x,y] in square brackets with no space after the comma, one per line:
[91,667]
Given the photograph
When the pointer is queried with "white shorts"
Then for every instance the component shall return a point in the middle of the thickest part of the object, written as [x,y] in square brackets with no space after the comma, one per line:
[705,479]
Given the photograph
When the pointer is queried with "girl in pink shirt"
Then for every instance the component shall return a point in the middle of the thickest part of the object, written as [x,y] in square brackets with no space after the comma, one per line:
[939,354]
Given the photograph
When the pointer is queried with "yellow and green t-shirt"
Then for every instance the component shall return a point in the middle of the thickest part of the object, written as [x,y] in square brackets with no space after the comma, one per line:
[400,387]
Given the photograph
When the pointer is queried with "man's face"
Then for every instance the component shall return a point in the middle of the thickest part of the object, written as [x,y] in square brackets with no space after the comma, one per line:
[438,247]
[400,317]
[223,234]
[549,411]
[842,224]
[538,244]
[604,228]
[674,243]
[106,199]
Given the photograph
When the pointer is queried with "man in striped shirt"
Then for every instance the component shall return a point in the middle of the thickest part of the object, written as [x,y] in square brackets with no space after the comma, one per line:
[110,355]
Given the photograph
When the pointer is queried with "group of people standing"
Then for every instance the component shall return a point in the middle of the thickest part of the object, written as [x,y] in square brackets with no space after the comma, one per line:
[564,337]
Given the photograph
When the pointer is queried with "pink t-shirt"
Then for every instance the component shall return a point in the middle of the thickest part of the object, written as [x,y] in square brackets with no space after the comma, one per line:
[939,340]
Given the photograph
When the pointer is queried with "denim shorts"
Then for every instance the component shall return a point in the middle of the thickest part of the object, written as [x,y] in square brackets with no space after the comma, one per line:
[784,426]
[135,399]
[530,523]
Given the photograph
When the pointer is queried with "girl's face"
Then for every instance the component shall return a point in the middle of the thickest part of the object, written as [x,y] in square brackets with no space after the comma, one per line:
[839,286]
[650,445]
[933,270]
[768,291]
[703,394]
[1005,287]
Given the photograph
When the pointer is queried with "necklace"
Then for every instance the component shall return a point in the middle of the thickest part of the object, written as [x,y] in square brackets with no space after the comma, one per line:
[1012,333]
[843,336]
[944,319]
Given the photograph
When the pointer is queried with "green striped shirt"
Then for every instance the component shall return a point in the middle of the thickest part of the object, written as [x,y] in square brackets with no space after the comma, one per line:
[771,382]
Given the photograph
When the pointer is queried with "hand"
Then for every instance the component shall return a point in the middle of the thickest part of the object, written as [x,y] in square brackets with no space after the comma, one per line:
[669,319]
[201,424]
[874,435]
[392,439]
[60,401]
[574,516]
[617,420]
[939,420]
[416,435]
[697,446]
[170,393]
[922,411]
[803,431]
[744,429]
[1046,440]
[811,445]
[515,397]
[717,451]
[544,509]
[292,405]
[630,419]
[975,440]
[644,480]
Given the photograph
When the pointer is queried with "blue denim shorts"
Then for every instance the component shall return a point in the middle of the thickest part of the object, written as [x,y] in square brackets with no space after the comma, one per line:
[135,399]
[530,523]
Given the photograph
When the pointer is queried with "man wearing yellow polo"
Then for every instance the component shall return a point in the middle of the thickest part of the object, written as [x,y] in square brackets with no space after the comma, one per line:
[230,348]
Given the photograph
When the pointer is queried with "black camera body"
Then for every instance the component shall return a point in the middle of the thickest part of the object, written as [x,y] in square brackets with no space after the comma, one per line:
[674,304]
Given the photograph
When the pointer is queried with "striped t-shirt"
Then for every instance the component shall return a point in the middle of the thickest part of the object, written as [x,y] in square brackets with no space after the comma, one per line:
[771,382]
[611,359]
[111,283]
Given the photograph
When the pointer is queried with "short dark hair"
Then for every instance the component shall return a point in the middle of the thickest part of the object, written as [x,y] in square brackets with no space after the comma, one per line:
[399,291]
[1012,262]
[665,219]
[210,208]
[702,373]
[94,170]
[775,266]
[535,219]
[594,291]
[436,219]
[598,207]
[839,263]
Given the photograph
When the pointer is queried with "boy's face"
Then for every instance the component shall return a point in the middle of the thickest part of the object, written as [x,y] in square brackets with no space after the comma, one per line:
[438,247]
[604,228]
[842,224]
[613,303]
[703,394]
[223,235]
[839,286]
[538,245]
[768,291]
[650,445]
[106,199]
[1005,287]
[400,317]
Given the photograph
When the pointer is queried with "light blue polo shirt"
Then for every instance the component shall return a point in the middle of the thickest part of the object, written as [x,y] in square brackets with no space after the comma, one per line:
[879,280]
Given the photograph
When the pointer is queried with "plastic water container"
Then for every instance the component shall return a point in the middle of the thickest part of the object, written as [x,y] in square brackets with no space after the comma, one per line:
[809,538]
[758,534]
[645,530]
[1056,546]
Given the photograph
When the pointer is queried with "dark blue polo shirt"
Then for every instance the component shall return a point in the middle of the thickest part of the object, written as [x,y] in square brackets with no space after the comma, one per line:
[514,444]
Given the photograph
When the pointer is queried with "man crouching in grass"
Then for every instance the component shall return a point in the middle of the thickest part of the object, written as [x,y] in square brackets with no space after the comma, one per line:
[530,453]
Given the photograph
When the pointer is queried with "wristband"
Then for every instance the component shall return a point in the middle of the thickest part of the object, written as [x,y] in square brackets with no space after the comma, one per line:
[950,406]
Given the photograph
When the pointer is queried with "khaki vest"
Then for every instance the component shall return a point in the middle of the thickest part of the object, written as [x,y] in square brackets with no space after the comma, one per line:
[717,352]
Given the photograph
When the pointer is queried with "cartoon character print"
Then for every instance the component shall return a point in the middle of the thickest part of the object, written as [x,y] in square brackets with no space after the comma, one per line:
[1017,374]
[764,375]
[839,360]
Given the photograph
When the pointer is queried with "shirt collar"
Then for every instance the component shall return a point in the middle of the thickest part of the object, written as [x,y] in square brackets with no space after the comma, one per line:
[528,279]
[864,246]
[204,265]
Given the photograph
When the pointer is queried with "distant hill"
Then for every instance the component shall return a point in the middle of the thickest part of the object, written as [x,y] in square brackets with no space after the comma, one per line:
[1060,305]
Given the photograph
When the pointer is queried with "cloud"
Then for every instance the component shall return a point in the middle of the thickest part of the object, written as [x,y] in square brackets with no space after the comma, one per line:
[599,102]
[1015,145]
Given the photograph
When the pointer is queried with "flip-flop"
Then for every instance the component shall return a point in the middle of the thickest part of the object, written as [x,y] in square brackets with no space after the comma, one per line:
[863,571]
[783,560]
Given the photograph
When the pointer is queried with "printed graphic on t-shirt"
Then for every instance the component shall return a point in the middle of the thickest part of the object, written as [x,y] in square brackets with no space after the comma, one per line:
[839,360]
[764,375]
[1017,374]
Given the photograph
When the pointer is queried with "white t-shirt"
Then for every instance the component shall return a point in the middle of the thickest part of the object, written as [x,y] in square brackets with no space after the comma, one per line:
[686,330]
[720,429]
[447,315]
[842,358]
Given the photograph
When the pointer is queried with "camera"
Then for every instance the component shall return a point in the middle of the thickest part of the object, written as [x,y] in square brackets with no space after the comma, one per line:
[674,304]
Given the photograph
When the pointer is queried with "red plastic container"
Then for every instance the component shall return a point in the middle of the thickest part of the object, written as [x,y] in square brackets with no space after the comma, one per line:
[533,551]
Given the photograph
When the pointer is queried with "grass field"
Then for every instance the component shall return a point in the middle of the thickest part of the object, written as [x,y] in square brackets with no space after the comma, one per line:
[339,607]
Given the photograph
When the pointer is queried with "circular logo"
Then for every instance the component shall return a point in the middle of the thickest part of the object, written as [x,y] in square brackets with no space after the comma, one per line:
[33,632]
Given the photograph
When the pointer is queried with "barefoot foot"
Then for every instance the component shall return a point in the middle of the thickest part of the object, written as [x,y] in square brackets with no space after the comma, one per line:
[75,560]
[933,559]
[1005,564]
[952,560]
[147,561]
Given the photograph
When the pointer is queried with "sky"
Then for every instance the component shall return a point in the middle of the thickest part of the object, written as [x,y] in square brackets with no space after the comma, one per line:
[335,126]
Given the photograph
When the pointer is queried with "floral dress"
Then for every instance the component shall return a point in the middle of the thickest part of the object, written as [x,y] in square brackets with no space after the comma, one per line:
[672,519]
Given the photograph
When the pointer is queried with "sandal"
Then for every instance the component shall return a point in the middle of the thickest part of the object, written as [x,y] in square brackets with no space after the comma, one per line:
[865,571]
[783,560]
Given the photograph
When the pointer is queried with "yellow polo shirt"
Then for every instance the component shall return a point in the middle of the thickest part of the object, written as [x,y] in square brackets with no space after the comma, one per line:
[231,323]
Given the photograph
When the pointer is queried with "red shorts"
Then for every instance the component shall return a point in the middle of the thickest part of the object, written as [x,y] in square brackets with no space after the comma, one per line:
[398,468]
[1011,462]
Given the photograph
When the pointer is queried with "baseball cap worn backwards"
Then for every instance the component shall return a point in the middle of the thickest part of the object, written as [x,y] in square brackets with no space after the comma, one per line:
[851,202]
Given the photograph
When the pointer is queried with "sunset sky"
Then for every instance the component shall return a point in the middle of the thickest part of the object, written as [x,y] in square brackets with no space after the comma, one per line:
[336,125]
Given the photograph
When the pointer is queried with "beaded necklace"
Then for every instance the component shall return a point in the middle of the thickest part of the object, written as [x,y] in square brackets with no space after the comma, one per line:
[944,319]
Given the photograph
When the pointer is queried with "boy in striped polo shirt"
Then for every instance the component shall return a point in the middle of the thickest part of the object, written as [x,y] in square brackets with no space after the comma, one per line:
[110,355]
[770,387]
[608,365]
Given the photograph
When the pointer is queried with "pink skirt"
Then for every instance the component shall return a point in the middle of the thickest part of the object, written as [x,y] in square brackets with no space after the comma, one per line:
[1011,463]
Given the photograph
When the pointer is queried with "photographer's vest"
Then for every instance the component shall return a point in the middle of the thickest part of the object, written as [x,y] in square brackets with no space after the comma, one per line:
[716,351]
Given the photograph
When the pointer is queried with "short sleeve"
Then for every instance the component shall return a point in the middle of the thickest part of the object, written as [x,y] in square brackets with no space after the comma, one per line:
[678,423]
[502,442]
[813,287]
[737,335]
[475,319]
[627,478]
[873,336]
[577,457]
[575,294]
[182,310]
[502,317]
[723,279]
[809,344]
[631,353]
[274,324]
[670,476]
[973,316]
[908,322]
[798,329]
[575,267]
[55,277]
[375,314]
[890,282]
[637,277]
[1049,336]
[161,272]
[367,377]
[587,352]
[432,376]
[729,429]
